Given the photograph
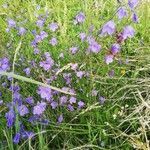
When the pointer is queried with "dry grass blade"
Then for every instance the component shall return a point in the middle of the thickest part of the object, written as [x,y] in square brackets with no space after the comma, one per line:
[25,79]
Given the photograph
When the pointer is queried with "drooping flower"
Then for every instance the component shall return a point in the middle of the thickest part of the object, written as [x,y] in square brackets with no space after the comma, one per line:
[70,107]
[60,119]
[4,64]
[37,39]
[9,78]
[43,35]
[133,3]
[135,18]
[82,36]
[53,41]
[33,63]
[81,104]
[17,99]
[47,55]
[54,104]
[34,119]
[11,23]
[22,30]
[115,48]
[22,110]
[39,108]
[29,100]
[48,63]
[94,47]
[73,50]
[67,77]
[45,93]
[27,134]
[102,99]
[109,59]
[14,88]
[34,43]
[10,117]
[53,26]
[80,18]
[40,23]
[16,138]
[27,71]
[72,100]
[63,100]
[121,13]
[128,32]
[90,40]
[109,28]
[80,74]
[74,66]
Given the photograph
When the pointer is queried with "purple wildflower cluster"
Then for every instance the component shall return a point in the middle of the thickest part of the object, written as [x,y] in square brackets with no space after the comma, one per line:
[80,18]
[13,25]
[127,32]
[47,63]
[32,109]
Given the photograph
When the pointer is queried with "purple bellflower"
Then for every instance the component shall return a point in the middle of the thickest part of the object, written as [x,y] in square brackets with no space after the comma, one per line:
[133,3]
[53,41]
[109,28]
[94,47]
[74,50]
[80,18]
[60,119]
[11,23]
[53,26]
[39,108]
[109,59]
[45,93]
[4,64]
[121,13]
[10,117]
[22,110]
[47,64]
[128,32]
[81,104]
[135,18]
[115,48]
[27,71]
[22,30]
[16,138]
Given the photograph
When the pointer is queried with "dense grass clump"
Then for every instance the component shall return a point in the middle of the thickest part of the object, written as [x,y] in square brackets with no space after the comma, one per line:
[74,74]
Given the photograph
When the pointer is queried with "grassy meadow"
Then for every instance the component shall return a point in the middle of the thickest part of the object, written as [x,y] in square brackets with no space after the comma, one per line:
[121,121]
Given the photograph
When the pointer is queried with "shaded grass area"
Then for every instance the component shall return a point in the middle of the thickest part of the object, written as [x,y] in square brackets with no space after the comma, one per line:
[120,122]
